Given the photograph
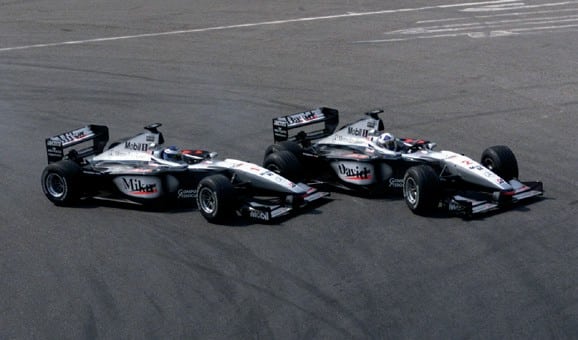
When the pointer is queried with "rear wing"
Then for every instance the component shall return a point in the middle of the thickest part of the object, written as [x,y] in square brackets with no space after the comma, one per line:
[56,145]
[327,117]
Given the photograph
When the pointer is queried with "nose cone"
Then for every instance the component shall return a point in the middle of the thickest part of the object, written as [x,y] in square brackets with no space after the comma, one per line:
[473,172]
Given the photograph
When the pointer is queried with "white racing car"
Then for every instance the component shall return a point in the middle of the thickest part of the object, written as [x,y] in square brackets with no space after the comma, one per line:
[140,170]
[362,157]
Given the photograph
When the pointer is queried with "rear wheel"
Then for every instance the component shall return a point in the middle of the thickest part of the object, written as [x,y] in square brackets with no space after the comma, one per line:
[286,164]
[421,187]
[290,146]
[60,182]
[215,198]
[501,161]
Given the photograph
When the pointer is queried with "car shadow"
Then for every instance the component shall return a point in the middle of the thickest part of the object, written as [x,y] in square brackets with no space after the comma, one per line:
[440,212]
[187,207]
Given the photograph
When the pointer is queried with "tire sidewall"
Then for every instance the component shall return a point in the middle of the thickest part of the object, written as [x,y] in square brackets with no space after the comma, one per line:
[501,161]
[68,173]
[219,190]
[409,181]
[286,164]
[290,146]
[424,183]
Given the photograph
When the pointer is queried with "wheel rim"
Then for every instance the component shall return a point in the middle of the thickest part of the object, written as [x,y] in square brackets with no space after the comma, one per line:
[410,191]
[55,185]
[207,200]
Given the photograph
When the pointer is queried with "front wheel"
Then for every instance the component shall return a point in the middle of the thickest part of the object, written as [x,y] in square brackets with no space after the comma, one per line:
[60,182]
[215,198]
[501,161]
[421,187]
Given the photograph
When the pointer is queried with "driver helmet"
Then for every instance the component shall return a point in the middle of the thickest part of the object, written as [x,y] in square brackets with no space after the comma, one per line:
[386,140]
[172,153]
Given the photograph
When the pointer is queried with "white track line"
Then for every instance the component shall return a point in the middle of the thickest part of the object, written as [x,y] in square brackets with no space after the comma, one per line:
[265,23]
[486,24]
[479,34]
[513,14]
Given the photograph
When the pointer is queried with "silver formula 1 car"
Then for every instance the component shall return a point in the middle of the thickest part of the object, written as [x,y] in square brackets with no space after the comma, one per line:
[361,156]
[140,170]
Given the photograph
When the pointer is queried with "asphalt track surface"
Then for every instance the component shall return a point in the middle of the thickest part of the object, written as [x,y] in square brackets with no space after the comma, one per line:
[464,74]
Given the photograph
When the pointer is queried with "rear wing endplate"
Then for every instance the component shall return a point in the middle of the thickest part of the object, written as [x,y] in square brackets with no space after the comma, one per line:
[57,145]
[327,117]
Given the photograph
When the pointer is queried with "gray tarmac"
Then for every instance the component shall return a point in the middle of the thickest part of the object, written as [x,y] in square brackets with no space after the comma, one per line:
[467,75]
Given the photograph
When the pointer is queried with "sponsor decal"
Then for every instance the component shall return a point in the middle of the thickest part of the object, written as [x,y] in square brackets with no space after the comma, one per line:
[53,152]
[136,146]
[417,141]
[259,215]
[354,173]
[53,142]
[277,132]
[300,118]
[279,122]
[395,182]
[357,156]
[69,137]
[357,131]
[456,207]
[344,139]
[186,193]
[150,138]
[72,136]
[139,186]
[266,173]
[136,186]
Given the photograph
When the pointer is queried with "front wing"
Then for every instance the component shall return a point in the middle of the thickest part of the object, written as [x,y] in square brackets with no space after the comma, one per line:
[267,211]
[467,205]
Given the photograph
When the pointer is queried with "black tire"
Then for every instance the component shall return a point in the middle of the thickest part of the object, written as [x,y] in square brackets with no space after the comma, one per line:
[286,164]
[290,146]
[421,189]
[215,198]
[60,182]
[501,161]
